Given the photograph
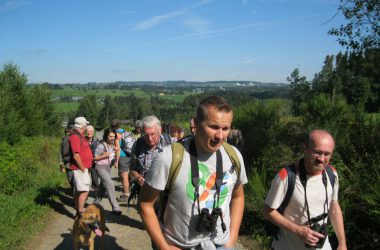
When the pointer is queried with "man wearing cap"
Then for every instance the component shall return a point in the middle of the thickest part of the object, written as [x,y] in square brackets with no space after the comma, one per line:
[137,131]
[81,161]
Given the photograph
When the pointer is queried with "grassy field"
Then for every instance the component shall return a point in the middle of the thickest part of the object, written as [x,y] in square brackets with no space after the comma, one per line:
[66,106]
[62,106]
[68,91]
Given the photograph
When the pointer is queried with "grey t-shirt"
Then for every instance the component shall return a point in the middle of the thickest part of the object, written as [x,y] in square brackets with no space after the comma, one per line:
[181,213]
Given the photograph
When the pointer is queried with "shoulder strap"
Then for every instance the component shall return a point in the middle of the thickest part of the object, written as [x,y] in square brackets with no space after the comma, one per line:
[79,135]
[177,156]
[167,139]
[331,175]
[178,150]
[105,148]
[233,157]
[291,170]
[138,146]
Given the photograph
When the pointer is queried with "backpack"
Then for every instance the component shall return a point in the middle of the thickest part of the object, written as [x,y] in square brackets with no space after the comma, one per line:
[127,141]
[65,146]
[270,227]
[65,149]
[139,145]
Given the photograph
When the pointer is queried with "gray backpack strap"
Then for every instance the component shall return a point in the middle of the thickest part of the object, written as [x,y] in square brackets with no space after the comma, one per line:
[331,175]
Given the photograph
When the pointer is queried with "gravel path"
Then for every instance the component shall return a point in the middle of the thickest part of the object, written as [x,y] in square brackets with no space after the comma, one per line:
[125,231]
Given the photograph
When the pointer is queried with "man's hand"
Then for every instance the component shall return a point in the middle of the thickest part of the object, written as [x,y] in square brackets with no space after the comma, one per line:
[309,236]
[140,180]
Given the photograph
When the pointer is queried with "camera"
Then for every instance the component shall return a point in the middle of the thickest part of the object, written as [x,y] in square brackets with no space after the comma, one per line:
[322,229]
[207,221]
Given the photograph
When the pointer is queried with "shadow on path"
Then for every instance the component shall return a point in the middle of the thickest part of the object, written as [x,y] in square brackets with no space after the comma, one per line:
[110,243]
[56,198]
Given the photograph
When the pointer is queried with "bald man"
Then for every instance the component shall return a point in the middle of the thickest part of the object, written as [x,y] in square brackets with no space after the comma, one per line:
[300,223]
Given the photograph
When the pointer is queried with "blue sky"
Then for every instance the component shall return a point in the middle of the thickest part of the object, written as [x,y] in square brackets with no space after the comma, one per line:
[136,40]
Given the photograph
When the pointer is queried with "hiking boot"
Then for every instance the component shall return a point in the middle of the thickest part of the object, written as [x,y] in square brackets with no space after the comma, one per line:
[116,212]
[123,198]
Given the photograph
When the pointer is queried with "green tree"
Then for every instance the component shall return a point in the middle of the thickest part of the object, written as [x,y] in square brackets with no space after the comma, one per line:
[107,112]
[89,107]
[326,80]
[42,119]
[322,112]
[260,123]
[362,31]
[12,103]
[300,89]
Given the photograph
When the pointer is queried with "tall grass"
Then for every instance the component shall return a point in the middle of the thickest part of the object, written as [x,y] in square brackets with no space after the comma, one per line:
[26,171]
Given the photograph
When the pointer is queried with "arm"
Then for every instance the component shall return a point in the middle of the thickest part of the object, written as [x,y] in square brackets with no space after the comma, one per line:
[117,152]
[304,232]
[78,161]
[104,155]
[237,209]
[336,218]
[147,198]
[134,173]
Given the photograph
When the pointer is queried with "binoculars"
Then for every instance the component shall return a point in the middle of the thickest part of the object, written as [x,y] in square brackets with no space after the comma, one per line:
[207,221]
[322,229]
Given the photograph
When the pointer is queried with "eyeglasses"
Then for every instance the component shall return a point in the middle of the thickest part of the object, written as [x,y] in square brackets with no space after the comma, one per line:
[320,154]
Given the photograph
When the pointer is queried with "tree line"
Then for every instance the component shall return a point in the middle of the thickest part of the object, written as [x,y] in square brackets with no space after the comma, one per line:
[343,98]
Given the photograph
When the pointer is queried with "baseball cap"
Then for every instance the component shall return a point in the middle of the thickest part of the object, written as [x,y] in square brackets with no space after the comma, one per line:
[120,130]
[80,122]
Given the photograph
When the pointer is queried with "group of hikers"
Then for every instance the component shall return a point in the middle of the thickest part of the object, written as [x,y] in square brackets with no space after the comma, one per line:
[190,188]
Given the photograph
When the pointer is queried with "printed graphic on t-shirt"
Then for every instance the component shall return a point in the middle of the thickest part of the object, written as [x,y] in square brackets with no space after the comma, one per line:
[207,188]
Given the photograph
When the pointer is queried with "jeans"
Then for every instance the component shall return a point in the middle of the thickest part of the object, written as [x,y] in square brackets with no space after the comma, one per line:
[104,173]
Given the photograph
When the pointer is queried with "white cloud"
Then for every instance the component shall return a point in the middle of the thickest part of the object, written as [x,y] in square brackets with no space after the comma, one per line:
[197,24]
[214,33]
[156,20]
[13,4]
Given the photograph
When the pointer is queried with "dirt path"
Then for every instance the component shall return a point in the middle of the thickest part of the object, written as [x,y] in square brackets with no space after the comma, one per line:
[125,231]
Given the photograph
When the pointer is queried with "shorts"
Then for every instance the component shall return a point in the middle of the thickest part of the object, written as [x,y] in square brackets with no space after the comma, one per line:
[82,180]
[124,163]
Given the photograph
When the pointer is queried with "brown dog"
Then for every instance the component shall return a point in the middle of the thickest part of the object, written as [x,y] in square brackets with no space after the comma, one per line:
[89,225]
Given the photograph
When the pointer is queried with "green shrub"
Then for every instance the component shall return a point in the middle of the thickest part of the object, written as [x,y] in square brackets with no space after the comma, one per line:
[27,170]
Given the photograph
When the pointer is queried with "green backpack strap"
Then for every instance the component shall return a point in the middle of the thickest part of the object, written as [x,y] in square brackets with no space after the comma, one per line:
[233,157]
[178,150]
[177,154]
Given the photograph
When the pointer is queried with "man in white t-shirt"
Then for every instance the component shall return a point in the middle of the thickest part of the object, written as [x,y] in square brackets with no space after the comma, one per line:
[182,226]
[304,212]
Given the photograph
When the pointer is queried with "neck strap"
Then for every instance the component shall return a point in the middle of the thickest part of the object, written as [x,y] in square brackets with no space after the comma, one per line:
[195,172]
[303,178]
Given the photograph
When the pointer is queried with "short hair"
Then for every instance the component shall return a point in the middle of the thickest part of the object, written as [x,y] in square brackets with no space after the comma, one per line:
[115,123]
[215,101]
[150,121]
[308,139]
[89,127]
[107,132]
